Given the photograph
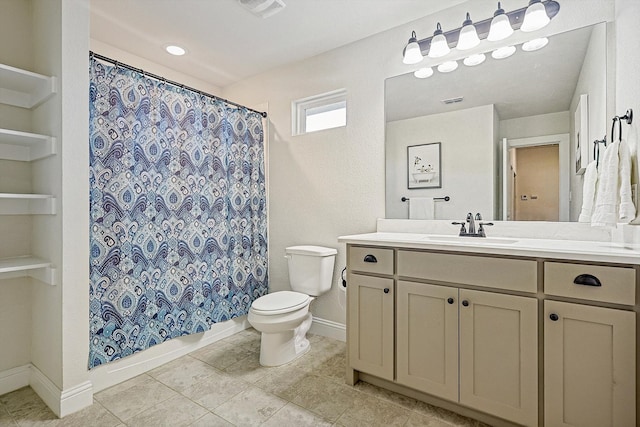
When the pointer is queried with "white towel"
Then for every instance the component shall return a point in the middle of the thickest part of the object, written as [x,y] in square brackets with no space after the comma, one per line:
[605,212]
[588,192]
[627,210]
[421,208]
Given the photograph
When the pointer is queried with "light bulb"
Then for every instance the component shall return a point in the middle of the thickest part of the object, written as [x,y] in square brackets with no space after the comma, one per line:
[447,67]
[474,60]
[500,26]
[535,17]
[535,44]
[468,38]
[175,50]
[439,46]
[412,52]
[423,73]
[503,52]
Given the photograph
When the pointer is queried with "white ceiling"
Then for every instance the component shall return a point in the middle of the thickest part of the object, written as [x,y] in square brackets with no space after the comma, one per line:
[226,43]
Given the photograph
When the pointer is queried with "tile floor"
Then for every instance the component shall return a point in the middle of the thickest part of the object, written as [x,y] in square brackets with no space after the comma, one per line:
[223,384]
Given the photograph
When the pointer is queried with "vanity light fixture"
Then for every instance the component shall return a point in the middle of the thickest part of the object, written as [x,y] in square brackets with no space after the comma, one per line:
[474,60]
[503,52]
[439,46]
[423,73]
[468,35]
[175,50]
[447,67]
[500,27]
[529,18]
[535,44]
[535,17]
[412,53]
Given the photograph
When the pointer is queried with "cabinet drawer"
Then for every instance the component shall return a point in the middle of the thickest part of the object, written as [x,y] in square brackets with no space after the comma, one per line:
[371,260]
[605,284]
[513,274]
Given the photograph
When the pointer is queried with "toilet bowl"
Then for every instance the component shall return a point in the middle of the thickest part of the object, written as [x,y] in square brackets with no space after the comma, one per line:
[283,317]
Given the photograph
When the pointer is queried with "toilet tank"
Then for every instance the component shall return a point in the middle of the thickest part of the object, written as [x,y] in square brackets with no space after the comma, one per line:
[310,268]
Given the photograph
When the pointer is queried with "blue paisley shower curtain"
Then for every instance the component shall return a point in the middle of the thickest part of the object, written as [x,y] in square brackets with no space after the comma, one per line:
[178,237]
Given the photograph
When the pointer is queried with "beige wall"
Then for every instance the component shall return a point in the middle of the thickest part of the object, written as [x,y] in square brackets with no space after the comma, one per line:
[344,168]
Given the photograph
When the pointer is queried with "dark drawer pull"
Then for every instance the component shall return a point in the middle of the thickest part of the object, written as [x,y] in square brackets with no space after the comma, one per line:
[386,290]
[587,280]
[370,258]
[554,317]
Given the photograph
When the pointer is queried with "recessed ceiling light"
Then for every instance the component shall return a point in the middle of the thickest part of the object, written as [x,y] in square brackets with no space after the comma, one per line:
[474,60]
[447,67]
[175,50]
[535,44]
[423,73]
[503,52]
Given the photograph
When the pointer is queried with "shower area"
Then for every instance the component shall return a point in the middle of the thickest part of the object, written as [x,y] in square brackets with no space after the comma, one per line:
[178,221]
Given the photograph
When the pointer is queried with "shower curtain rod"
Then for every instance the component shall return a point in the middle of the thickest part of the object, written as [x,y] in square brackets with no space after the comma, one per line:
[180,85]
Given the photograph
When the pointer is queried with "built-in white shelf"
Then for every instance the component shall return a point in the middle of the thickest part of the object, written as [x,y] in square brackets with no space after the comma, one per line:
[27,266]
[23,88]
[27,204]
[25,146]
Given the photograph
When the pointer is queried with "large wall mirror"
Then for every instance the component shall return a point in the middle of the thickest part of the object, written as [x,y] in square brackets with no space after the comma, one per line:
[509,138]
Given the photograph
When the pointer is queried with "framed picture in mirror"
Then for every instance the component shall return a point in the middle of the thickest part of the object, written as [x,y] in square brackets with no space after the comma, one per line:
[581,134]
[424,166]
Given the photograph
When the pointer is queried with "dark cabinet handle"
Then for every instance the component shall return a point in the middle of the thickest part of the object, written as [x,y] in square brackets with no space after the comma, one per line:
[553,317]
[450,300]
[587,280]
[370,258]
[465,303]
[386,290]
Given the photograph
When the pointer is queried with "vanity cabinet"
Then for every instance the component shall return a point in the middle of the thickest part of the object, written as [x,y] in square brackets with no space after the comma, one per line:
[473,347]
[589,351]
[371,335]
[508,340]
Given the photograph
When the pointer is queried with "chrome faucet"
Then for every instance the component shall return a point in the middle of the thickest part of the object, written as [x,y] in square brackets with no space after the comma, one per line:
[471,220]
[472,223]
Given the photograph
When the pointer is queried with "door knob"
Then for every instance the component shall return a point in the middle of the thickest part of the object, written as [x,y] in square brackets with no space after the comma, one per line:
[554,317]
[465,303]
[386,290]
[450,300]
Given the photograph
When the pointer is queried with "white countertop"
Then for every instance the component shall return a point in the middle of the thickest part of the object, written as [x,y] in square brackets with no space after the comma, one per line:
[595,251]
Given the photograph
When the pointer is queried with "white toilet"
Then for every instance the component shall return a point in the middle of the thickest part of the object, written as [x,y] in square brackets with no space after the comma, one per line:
[283,317]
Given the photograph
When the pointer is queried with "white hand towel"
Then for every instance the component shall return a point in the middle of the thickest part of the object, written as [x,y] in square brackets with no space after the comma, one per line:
[421,208]
[588,192]
[605,212]
[627,210]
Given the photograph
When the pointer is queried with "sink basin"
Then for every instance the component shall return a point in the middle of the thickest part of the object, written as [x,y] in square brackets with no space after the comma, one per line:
[473,240]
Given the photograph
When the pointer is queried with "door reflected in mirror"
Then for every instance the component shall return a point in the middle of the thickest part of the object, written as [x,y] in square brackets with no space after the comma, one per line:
[481,114]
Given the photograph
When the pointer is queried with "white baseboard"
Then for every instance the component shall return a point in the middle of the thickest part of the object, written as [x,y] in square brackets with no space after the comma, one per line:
[13,379]
[329,328]
[113,373]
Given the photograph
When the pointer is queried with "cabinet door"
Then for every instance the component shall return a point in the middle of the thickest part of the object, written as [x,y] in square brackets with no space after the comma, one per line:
[370,334]
[427,338]
[499,355]
[589,359]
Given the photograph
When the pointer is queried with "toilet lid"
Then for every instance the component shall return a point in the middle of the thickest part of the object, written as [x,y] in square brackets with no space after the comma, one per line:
[281,301]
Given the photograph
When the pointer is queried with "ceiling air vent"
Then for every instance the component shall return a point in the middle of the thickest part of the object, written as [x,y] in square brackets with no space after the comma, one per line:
[453,100]
[263,8]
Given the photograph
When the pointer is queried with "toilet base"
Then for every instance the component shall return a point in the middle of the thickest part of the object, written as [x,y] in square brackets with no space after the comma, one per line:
[283,347]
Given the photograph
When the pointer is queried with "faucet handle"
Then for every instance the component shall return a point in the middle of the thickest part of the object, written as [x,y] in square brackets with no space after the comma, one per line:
[481,228]
[463,229]
[469,216]
[478,217]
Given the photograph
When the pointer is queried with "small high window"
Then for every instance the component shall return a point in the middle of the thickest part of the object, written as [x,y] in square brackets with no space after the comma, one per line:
[320,112]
